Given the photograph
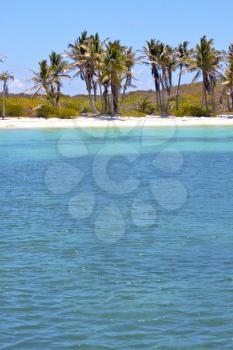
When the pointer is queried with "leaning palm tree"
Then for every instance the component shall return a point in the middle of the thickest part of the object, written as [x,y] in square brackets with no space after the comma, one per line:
[48,80]
[5,77]
[130,60]
[206,62]
[182,57]
[43,82]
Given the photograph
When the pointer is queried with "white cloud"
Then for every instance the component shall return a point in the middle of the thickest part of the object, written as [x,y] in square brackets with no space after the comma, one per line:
[18,85]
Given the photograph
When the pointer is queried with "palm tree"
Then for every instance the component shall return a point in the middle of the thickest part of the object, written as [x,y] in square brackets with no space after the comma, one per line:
[130,61]
[168,66]
[230,52]
[115,75]
[227,78]
[49,78]
[58,68]
[115,68]
[228,86]
[85,54]
[161,58]
[97,51]
[43,82]
[105,82]
[206,62]
[152,52]
[5,77]
[182,57]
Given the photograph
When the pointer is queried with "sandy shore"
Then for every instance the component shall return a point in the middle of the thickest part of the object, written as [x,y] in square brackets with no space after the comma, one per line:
[102,122]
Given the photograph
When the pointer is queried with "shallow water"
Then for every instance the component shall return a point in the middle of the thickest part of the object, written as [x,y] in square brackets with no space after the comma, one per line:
[116,239]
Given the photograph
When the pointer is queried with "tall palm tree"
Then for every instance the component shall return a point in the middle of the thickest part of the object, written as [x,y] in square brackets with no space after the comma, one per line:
[5,77]
[152,51]
[206,62]
[182,57]
[58,68]
[97,51]
[161,58]
[227,78]
[130,60]
[115,67]
[115,75]
[228,86]
[85,56]
[168,66]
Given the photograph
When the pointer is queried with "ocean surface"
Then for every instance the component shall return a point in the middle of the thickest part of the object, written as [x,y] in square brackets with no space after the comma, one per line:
[116,239]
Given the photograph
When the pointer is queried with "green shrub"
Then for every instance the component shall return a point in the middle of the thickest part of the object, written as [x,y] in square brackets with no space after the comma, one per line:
[47,111]
[144,105]
[15,110]
[191,111]
[84,110]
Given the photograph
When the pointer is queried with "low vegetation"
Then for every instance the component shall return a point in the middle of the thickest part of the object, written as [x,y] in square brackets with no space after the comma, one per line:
[137,103]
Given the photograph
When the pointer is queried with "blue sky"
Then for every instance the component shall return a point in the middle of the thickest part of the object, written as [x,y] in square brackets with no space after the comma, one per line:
[30,30]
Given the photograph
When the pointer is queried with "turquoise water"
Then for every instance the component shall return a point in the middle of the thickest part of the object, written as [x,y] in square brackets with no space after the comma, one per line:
[116,239]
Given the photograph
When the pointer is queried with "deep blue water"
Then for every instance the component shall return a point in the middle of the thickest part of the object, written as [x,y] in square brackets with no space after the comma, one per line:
[119,239]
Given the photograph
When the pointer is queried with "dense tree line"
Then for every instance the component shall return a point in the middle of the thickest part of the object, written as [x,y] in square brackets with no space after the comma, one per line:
[106,68]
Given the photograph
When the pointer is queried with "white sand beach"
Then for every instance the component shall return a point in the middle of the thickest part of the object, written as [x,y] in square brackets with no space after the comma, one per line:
[102,122]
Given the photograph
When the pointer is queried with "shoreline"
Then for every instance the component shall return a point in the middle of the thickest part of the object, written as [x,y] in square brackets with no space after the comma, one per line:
[103,122]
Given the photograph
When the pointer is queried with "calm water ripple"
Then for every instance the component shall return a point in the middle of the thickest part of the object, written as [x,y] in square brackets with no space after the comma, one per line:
[150,268]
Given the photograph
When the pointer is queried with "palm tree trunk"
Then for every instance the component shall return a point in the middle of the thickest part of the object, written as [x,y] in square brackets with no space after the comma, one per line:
[178,89]
[228,103]
[115,97]
[95,91]
[231,99]
[111,105]
[101,98]
[157,98]
[158,94]
[92,103]
[168,104]
[91,100]
[105,107]
[163,106]
[202,97]
[58,96]
[213,101]
[3,105]
[123,96]
[205,98]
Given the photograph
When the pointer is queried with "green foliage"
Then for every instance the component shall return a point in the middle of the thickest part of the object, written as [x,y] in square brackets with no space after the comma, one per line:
[191,111]
[135,104]
[144,105]
[47,111]
[84,110]
[15,110]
